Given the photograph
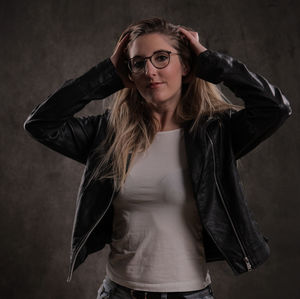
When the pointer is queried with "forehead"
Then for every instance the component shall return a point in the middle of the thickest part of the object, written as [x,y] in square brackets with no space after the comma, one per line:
[146,44]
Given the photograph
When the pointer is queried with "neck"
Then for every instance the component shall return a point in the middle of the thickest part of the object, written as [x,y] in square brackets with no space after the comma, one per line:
[166,118]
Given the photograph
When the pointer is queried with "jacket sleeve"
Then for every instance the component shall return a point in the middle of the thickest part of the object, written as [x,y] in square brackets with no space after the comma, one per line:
[266,108]
[53,123]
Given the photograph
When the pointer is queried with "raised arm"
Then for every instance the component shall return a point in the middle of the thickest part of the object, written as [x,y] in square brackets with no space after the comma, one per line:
[266,108]
[52,122]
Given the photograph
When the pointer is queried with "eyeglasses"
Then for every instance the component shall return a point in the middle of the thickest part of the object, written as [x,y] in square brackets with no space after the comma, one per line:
[159,59]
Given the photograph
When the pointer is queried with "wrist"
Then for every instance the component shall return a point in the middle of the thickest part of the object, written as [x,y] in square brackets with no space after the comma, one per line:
[113,61]
[200,49]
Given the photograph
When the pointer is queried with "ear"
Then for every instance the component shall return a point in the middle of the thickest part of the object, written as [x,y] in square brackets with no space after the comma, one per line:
[187,74]
[130,77]
[185,69]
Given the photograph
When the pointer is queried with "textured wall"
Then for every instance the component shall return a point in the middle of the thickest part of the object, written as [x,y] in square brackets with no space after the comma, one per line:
[44,43]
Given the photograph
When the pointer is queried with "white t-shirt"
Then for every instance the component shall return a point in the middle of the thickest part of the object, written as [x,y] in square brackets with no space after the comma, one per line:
[157,234]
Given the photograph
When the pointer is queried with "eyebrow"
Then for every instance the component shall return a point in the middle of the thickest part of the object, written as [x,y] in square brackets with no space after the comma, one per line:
[160,50]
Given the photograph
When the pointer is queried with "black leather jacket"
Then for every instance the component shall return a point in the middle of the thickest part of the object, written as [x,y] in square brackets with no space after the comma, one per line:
[230,232]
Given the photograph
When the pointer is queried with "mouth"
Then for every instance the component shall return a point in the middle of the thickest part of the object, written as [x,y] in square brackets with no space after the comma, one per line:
[154,85]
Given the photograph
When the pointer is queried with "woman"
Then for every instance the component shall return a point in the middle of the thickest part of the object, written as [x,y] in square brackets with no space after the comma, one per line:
[161,185]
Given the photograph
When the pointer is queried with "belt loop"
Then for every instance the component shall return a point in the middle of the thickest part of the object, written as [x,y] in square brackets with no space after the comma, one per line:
[131,294]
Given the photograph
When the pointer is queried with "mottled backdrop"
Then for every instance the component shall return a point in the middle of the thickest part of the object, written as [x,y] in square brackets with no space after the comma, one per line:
[44,43]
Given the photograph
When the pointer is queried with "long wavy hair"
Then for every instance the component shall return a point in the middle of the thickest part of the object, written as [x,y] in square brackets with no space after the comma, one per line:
[131,126]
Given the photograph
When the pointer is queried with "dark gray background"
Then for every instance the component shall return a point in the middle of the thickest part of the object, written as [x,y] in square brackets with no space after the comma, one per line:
[44,43]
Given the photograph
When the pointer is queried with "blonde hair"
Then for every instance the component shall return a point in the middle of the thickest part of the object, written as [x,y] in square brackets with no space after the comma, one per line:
[131,127]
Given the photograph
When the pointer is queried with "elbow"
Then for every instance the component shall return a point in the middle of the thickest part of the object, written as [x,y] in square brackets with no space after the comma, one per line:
[284,106]
[288,110]
[282,112]
[285,109]
[31,128]
[28,127]
[281,105]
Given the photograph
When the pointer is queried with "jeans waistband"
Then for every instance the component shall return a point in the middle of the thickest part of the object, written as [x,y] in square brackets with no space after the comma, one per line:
[137,294]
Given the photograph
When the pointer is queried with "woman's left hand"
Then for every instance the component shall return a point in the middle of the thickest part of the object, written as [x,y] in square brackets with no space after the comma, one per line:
[193,38]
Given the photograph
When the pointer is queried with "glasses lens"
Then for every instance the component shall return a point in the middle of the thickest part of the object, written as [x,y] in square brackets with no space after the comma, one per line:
[161,59]
[137,64]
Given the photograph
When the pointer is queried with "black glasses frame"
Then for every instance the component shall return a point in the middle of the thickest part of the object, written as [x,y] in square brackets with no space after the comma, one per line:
[150,58]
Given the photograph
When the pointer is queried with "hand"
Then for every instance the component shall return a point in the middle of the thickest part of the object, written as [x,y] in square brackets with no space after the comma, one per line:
[118,59]
[193,38]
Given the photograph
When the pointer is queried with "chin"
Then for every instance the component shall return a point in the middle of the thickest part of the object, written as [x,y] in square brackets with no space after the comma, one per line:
[157,101]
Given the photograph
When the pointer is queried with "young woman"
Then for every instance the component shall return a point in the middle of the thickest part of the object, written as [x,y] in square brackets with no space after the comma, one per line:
[161,185]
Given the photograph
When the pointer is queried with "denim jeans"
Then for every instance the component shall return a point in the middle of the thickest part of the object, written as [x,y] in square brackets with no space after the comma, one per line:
[111,290]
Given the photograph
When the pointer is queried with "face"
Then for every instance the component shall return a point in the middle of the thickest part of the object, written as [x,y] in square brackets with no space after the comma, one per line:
[158,86]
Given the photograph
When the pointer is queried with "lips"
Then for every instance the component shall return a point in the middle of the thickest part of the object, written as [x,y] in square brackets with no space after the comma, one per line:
[155,84]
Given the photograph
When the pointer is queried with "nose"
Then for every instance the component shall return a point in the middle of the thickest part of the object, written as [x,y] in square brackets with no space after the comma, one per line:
[150,69]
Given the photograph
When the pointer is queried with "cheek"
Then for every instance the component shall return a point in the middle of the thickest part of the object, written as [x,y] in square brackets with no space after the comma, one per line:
[174,78]
[175,72]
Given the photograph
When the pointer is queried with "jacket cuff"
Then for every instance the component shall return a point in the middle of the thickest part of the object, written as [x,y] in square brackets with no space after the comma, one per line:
[100,81]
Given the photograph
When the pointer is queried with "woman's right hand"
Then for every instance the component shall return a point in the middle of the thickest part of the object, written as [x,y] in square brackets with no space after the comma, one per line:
[193,39]
[118,59]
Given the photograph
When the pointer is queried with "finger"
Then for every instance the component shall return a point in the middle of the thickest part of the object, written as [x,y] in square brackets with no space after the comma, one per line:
[124,42]
[193,38]
[124,38]
[196,35]
[120,46]
[191,35]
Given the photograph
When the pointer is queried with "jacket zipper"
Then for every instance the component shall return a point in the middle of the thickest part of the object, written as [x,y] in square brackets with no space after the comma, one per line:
[246,259]
[85,238]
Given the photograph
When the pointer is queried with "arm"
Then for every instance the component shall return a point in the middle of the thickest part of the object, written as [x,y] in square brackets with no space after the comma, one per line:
[52,122]
[266,108]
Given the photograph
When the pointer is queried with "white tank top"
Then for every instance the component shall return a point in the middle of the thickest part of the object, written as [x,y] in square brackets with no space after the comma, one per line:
[157,234]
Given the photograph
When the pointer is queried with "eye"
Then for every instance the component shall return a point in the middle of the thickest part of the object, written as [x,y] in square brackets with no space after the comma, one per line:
[161,57]
[138,63]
